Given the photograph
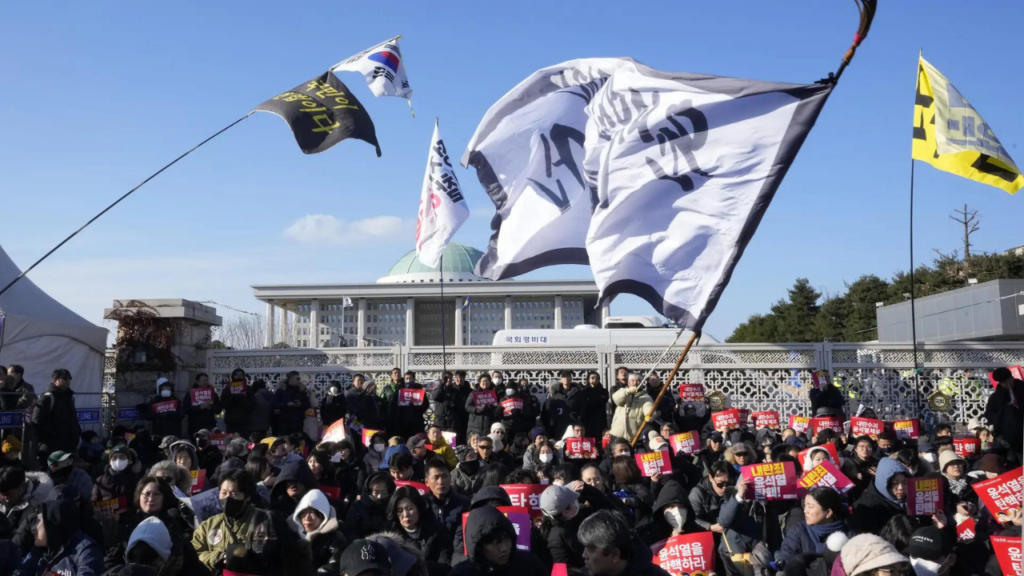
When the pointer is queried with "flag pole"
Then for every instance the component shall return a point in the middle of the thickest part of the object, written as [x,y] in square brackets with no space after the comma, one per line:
[665,386]
[444,337]
[118,201]
[913,312]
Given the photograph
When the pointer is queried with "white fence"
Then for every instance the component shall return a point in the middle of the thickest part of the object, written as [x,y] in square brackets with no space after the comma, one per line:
[755,376]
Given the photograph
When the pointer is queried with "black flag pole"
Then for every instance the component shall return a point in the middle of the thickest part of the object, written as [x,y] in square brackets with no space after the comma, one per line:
[867,10]
[118,201]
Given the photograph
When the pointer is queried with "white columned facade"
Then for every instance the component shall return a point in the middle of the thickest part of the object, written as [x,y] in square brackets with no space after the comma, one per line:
[269,336]
[459,303]
[361,322]
[605,313]
[508,312]
[282,335]
[314,323]
[558,313]
[410,321]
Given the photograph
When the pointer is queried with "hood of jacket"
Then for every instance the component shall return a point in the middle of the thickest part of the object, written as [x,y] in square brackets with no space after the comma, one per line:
[316,500]
[187,447]
[153,532]
[482,522]
[485,494]
[808,458]
[61,519]
[391,451]
[406,558]
[672,493]
[293,472]
[887,468]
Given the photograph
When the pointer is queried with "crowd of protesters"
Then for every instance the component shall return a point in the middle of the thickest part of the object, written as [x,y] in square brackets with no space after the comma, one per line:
[243,482]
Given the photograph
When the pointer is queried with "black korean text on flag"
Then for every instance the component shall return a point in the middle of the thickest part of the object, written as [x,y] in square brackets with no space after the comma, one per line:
[321,113]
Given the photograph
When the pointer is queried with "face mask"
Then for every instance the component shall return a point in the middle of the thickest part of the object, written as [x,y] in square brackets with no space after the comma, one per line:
[233,508]
[165,393]
[118,465]
[378,446]
[547,457]
[336,457]
[510,391]
[929,457]
[62,474]
[332,391]
[674,518]
[497,381]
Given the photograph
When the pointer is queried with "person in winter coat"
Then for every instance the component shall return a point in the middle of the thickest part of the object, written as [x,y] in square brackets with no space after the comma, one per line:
[538,455]
[24,492]
[449,405]
[316,522]
[208,455]
[236,401]
[885,498]
[954,469]
[824,515]
[64,471]
[16,394]
[860,467]
[233,525]
[481,417]
[520,413]
[290,404]
[575,396]
[828,397]
[412,522]
[632,404]
[60,546]
[334,407]
[495,496]
[445,504]
[631,488]
[671,514]
[118,478]
[349,470]
[407,418]
[152,545]
[555,414]
[201,405]
[155,502]
[292,483]
[561,522]
[714,448]
[611,550]
[440,446]
[368,515]
[55,417]
[744,528]
[375,454]
[666,407]
[491,548]
[270,548]
[364,406]
[468,476]
[1005,409]
[164,411]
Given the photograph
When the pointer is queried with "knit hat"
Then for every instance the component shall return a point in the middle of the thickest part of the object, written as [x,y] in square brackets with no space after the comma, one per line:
[947,457]
[926,543]
[974,424]
[497,426]
[11,444]
[538,431]
[864,553]
[557,499]
[153,532]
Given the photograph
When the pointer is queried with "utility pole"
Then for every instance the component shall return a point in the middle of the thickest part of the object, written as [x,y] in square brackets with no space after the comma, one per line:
[970,222]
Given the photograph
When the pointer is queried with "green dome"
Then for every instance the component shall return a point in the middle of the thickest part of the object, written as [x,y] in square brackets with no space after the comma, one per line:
[457,259]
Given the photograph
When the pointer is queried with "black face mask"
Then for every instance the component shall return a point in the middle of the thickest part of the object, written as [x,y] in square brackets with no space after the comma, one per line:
[62,474]
[233,508]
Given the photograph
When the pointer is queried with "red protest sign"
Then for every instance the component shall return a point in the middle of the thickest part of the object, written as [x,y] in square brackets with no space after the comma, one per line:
[1008,552]
[411,396]
[1001,494]
[828,446]
[201,395]
[691,392]
[833,423]
[577,448]
[237,387]
[220,441]
[332,492]
[744,416]
[966,447]
[686,554]
[198,480]
[559,570]
[866,427]
[966,530]
[687,443]
[766,419]
[510,404]
[520,518]
[525,496]
[726,419]
[483,398]
[420,487]
[824,474]
[335,432]
[652,463]
[907,429]
[799,424]
[110,508]
[770,481]
[164,407]
[368,435]
[820,378]
[924,496]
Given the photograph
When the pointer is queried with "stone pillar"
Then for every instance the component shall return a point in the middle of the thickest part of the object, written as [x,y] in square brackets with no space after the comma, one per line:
[605,313]
[410,322]
[270,325]
[459,303]
[508,312]
[558,313]
[314,323]
[282,332]
[361,322]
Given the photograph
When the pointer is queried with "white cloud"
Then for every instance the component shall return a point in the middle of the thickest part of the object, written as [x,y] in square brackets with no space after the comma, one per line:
[327,229]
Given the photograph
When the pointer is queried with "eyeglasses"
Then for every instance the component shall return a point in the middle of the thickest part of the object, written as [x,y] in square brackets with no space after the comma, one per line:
[150,495]
[482,447]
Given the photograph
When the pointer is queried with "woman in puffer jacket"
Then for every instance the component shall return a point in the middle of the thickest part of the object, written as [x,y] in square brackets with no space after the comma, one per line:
[824,515]
[317,523]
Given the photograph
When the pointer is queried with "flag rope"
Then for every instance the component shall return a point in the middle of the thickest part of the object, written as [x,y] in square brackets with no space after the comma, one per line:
[118,201]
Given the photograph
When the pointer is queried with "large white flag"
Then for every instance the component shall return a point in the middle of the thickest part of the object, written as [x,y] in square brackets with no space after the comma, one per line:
[665,176]
[443,208]
[383,67]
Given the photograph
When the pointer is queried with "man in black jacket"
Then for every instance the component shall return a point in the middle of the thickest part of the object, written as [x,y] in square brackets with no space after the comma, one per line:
[164,410]
[575,397]
[597,401]
[16,394]
[55,418]
[449,405]
[555,414]
[519,410]
[407,413]
[363,404]
[446,504]
[201,405]
[290,404]
[333,408]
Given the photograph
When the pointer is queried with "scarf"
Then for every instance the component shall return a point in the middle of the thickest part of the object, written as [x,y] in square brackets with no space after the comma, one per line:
[957,486]
[820,532]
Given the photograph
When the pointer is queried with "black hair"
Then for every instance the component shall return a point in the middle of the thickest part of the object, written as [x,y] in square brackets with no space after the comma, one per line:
[434,464]
[618,442]
[908,457]
[11,477]
[592,372]
[494,475]
[410,373]
[829,499]
[289,375]
[480,377]
[142,553]
[200,375]
[565,374]
[522,476]
[238,371]
[461,374]
[417,500]
[236,449]
[565,472]
[796,463]
[606,531]
[17,369]
[60,374]
[243,479]
[378,478]
[718,468]
[258,467]
[396,368]
[324,459]
[943,428]
[864,438]
[1001,374]
[898,530]
[400,461]
[887,435]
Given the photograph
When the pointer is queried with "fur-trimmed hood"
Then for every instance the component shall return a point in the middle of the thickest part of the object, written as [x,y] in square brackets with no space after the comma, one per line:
[403,555]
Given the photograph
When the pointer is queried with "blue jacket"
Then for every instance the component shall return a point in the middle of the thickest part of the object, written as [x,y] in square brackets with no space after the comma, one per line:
[804,539]
[69,552]
[743,522]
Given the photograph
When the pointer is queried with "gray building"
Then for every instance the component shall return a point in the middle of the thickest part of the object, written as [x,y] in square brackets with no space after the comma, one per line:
[989,311]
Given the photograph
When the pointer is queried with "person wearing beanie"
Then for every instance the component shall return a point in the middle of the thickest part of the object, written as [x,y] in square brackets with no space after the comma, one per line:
[482,417]
[954,469]
[884,499]
[11,452]
[869,555]
[164,410]
[119,476]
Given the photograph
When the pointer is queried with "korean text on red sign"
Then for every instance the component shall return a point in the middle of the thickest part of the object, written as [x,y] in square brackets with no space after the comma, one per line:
[766,419]
[1001,494]
[771,481]
[833,423]
[966,447]
[689,392]
[651,463]
[825,474]
[165,407]
[411,396]
[1008,552]
[510,404]
[799,424]
[866,427]
[924,496]
[483,398]
[725,419]
[907,429]
[580,448]
[686,553]
[526,496]
[201,395]
[688,443]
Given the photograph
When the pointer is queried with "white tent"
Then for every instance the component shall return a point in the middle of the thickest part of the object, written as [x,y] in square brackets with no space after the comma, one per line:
[42,335]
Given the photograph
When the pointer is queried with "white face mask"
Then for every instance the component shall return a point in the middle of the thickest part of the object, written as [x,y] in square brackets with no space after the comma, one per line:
[929,457]
[118,464]
[510,391]
[165,393]
[547,457]
[336,457]
[674,518]
[378,447]
[497,381]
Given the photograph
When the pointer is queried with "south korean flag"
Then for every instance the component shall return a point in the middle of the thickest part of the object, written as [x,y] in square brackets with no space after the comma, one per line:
[383,68]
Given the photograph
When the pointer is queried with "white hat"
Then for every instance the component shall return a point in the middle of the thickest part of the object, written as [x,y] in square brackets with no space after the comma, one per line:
[866,552]
[498,426]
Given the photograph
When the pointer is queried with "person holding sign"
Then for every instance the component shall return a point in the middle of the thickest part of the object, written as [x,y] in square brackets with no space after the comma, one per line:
[118,479]
[237,403]
[164,410]
[632,404]
[860,467]
[408,406]
[884,499]
[482,407]
[202,405]
[290,404]
[1005,409]
[743,525]
[824,515]
[519,409]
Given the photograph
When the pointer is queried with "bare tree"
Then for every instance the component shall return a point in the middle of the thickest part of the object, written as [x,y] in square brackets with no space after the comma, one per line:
[244,332]
[969,220]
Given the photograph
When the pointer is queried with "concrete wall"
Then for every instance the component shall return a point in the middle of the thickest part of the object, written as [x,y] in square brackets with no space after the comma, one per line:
[988,311]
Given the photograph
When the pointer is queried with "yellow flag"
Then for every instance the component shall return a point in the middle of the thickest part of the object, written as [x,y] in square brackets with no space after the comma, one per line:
[950,135]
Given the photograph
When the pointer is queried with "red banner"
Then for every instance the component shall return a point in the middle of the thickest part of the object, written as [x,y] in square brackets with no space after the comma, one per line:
[110,508]
[824,474]
[1008,552]
[726,419]
[419,486]
[520,518]
[744,416]
[652,463]
[907,429]
[220,441]
[580,448]
[821,378]
[828,446]
[924,496]
[510,404]
[526,496]
[966,530]
[688,443]
[866,427]
[483,398]
[164,407]
[411,396]
[198,480]
[771,481]
[368,435]
[335,432]
[1001,494]
[686,554]
[966,447]
[833,423]
[799,424]
[691,392]
[332,492]
[237,387]
[766,419]
[201,395]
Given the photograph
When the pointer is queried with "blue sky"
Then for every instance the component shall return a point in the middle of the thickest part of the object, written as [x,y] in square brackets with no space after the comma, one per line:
[98,95]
